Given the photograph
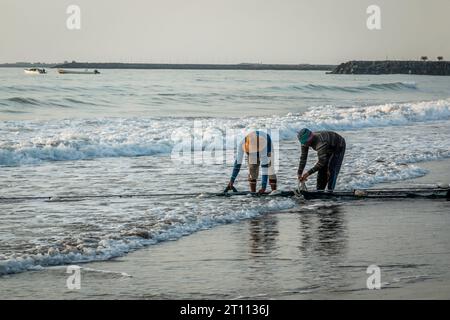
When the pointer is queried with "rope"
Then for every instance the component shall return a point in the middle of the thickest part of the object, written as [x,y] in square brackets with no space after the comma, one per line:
[100,196]
[387,193]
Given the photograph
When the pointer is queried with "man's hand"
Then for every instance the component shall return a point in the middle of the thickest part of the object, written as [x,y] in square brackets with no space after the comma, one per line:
[229,187]
[261,191]
[304,177]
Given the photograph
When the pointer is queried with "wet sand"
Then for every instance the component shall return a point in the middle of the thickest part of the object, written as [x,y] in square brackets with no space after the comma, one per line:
[321,252]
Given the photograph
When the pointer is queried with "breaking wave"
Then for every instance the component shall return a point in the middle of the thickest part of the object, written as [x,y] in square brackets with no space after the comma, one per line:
[30,142]
[78,251]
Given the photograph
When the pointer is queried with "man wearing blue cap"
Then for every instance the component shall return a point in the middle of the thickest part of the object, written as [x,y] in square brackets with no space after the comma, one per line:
[330,148]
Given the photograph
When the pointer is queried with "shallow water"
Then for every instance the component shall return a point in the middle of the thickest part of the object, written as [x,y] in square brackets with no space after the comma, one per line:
[318,251]
[115,133]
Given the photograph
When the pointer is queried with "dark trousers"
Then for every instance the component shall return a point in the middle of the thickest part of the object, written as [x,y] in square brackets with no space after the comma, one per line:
[327,176]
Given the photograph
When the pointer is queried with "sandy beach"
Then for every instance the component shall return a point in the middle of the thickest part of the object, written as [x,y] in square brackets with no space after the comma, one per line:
[319,253]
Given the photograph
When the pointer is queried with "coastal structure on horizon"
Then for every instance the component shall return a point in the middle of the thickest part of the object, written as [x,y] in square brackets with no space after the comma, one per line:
[423,67]
[419,67]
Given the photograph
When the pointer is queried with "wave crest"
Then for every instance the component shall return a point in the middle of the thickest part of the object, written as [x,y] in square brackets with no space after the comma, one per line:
[33,142]
[388,86]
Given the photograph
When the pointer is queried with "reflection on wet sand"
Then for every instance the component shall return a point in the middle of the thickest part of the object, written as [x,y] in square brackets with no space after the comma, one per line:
[317,234]
[323,231]
[263,235]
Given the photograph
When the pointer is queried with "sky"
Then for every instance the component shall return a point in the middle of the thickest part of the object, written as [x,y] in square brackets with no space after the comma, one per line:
[223,31]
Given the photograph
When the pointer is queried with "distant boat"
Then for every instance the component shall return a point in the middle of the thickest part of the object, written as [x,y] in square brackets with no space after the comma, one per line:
[35,71]
[64,71]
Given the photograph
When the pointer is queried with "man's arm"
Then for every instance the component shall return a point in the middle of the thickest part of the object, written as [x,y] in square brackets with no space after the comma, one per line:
[322,155]
[303,159]
[237,163]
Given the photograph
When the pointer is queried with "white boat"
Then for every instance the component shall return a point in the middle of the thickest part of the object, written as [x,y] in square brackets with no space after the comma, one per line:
[65,71]
[35,71]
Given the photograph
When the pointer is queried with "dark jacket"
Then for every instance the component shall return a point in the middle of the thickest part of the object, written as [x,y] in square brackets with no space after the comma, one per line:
[325,143]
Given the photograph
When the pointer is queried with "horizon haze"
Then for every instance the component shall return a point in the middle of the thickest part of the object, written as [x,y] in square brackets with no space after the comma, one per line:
[223,32]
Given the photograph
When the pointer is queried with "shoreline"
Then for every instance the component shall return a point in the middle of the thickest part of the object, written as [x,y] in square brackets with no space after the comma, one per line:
[259,258]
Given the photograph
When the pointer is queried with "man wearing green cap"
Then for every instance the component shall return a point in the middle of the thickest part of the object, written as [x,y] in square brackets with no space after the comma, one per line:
[330,148]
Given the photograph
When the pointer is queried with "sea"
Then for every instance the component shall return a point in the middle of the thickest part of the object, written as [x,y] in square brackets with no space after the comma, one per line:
[93,167]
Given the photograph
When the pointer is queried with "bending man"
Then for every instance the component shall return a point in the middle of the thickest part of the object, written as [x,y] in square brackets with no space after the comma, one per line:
[258,147]
[330,148]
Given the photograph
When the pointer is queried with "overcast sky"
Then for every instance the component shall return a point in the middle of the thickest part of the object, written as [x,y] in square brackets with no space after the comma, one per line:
[222,31]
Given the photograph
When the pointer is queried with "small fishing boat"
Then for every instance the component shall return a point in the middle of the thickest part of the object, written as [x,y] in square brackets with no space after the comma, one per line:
[65,71]
[35,71]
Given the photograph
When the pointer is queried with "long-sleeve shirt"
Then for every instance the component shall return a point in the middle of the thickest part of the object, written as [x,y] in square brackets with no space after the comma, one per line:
[263,156]
[325,143]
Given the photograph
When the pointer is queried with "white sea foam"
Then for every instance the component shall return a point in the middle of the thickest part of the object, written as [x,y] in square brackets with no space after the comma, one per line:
[108,248]
[31,142]
[353,118]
